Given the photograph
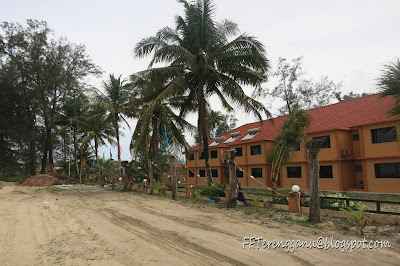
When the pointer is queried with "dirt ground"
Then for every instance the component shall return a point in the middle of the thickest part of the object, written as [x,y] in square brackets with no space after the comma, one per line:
[91,226]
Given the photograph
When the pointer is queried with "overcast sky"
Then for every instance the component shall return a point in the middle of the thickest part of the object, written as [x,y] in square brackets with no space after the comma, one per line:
[348,41]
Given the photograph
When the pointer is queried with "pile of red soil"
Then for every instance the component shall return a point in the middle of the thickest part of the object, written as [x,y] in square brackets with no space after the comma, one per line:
[60,176]
[41,181]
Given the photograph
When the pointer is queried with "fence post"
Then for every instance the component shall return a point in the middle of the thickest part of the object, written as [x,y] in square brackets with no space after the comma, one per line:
[378,206]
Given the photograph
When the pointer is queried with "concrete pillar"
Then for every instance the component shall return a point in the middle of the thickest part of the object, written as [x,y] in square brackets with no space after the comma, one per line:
[294,202]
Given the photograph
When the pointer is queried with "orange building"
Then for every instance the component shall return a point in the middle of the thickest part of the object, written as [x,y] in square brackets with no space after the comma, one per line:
[360,151]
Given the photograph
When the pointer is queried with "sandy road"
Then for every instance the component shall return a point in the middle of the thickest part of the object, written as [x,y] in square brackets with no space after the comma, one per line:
[96,227]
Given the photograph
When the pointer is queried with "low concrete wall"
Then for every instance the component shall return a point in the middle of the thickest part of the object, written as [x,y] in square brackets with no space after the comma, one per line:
[380,218]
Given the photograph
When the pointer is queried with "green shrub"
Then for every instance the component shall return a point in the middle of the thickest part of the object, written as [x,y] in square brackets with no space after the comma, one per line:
[256,199]
[158,186]
[169,185]
[360,215]
[283,200]
[195,196]
[214,191]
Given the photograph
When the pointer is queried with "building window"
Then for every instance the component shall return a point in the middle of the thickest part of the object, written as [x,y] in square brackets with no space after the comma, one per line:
[256,172]
[239,173]
[214,172]
[325,171]
[239,151]
[201,155]
[359,168]
[213,154]
[387,170]
[202,173]
[382,135]
[191,156]
[294,172]
[191,173]
[326,141]
[356,137]
[255,150]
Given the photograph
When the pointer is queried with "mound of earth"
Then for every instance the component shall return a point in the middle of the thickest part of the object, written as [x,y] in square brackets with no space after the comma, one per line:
[41,181]
[60,176]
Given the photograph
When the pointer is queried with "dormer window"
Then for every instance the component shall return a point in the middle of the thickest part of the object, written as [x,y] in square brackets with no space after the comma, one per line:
[251,133]
[217,141]
[233,137]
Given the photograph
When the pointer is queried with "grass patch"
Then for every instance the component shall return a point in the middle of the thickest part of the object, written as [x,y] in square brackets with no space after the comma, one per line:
[15,178]
[52,188]
[304,223]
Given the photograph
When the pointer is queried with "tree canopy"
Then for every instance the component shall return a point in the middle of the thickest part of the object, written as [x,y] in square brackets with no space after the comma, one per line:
[203,57]
[389,84]
[299,92]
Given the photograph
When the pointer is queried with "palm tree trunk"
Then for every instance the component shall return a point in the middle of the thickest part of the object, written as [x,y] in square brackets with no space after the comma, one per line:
[97,156]
[207,159]
[155,155]
[203,132]
[119,156]
[96,145]
[151,177]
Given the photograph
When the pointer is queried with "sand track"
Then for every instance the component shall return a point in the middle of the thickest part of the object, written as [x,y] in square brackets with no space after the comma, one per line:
[96,227]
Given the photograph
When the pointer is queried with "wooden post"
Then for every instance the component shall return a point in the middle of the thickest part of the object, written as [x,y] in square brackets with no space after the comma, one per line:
[233,183]
[173,177]
[313,146]
[151,176]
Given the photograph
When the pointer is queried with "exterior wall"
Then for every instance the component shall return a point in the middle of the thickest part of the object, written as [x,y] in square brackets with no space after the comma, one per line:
[240,160]
[388,185]
[200,179]
[344,140]
[326,154]
[301,182]
[356,144]
[192,163]
[331,183]
[362,152]
[253,182]
[376,150]
[349,175]
[256,159]
[245,180]
[300,156]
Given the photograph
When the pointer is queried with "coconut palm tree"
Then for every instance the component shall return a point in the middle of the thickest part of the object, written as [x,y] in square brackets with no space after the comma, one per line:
[156,120]
[204,58]
[290,137]
[97,127]
[116,102]
[389,83]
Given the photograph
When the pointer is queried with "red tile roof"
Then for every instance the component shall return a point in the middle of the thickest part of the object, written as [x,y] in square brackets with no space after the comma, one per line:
[343,115]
